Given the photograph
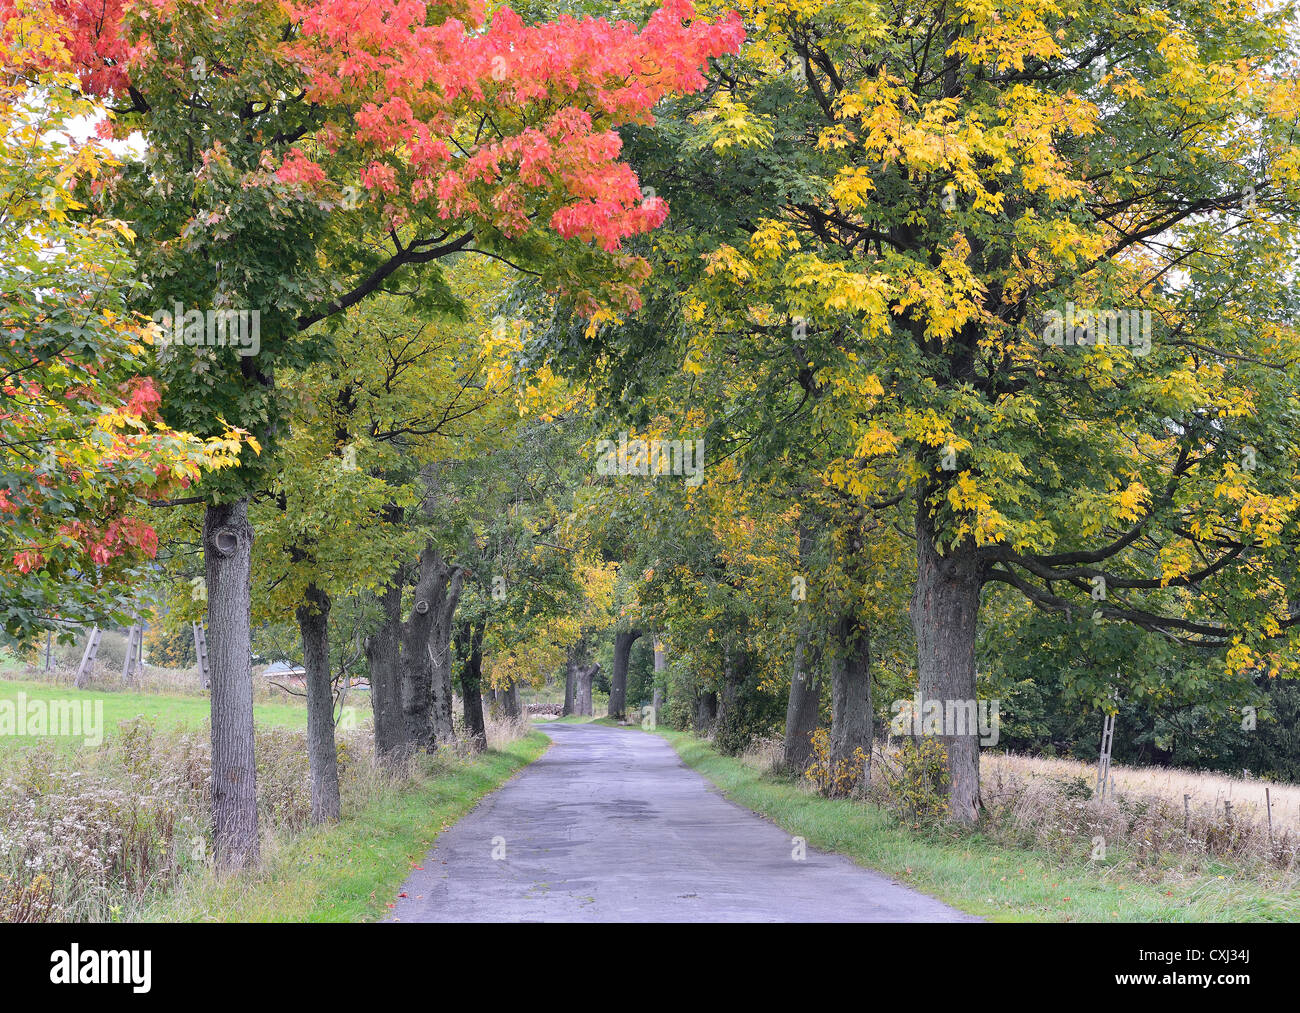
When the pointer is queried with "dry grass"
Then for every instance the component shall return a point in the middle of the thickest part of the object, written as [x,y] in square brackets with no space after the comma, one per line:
[101,833]
[764,755]
[1048,805]
[1207,791]
[502,730]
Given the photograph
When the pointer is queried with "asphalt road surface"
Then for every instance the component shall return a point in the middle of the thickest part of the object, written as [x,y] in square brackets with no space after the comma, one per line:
[611,826]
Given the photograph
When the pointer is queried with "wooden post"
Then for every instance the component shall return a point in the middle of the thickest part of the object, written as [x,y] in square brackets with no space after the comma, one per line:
[49,650]
[88,657]
[201,653]
[1103,762]
[130,649]
[1187,810]
[134,663]
[1268,805]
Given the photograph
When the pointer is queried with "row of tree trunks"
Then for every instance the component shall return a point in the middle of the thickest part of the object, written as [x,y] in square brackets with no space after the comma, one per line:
[470,649]
[506,702]
[322,754]
[618,681]
[410,659]
[578,675]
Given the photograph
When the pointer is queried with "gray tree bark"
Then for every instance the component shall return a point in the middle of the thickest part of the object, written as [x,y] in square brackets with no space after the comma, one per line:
[583,689]
[618,681]
[383,655]
[424,674]
[322,754]
[416,664]
[471,683]
[803,705]
[851,697]
[945,608]
[227,554]
[570,678]
[575,663]
[447,598]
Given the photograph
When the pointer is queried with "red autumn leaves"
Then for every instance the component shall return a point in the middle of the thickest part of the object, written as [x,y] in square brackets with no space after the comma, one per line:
[114,536]
[442,110]
[540,102]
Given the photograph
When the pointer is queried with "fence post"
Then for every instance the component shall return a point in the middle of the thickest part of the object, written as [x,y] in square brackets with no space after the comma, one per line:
[201,653]
[88,657]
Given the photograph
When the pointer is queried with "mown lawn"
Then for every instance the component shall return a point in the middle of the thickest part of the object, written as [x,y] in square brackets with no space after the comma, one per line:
[352,871]
[977,875]
[167,711]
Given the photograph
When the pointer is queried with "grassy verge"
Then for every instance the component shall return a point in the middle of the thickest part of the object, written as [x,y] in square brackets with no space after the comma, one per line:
[982,877]
[351,871]
[165,710]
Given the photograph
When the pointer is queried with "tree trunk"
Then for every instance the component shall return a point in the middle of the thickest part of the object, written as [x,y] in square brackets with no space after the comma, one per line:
[570,680]
[733,664]
[228,552]
[803,705]
[732,734]
[618,682]
[706,711]
[575,663]
[425,724]
[661,666]
[510,706]
[471,683]
[322,755]
[447,598]
[945,607]
[851,700]
[383,655]
[583,690]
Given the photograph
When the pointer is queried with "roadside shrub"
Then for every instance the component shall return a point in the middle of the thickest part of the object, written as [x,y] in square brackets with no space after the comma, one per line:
[834,779]
[915,780]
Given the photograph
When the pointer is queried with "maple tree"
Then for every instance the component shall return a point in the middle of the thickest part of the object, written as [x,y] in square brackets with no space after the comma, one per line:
[82,446]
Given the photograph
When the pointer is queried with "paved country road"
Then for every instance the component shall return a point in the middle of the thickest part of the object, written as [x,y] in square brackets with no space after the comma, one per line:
[610,825]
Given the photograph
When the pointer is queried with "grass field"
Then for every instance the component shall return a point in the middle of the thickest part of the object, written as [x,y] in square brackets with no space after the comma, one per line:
[167,711]
[982,877]
[352,871]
